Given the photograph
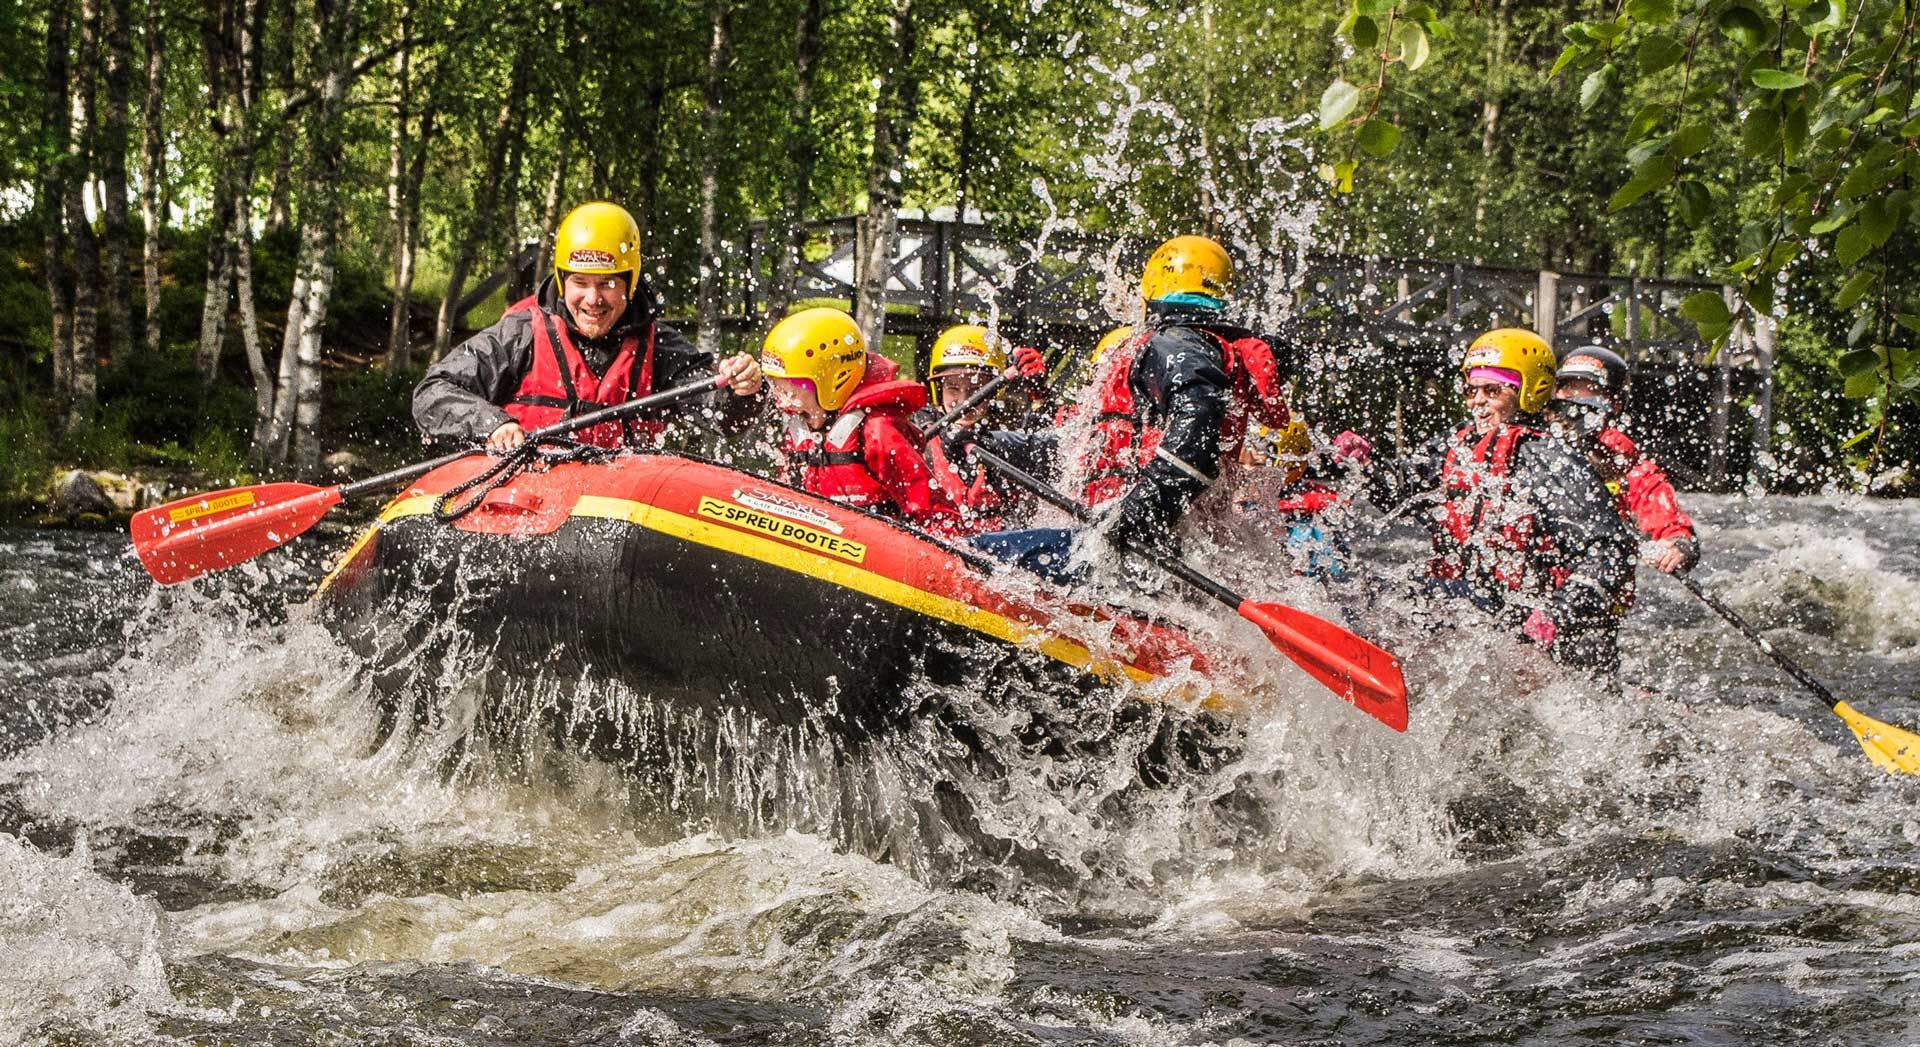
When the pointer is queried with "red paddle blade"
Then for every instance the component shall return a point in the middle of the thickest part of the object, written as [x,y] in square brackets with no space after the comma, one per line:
[1350,666]
[186,539]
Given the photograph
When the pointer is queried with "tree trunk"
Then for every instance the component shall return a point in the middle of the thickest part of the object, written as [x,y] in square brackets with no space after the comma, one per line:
[550,213]
[217,42]
[279,198]
[51,200]
[963,149]
[295,430]
[1490,105]
[510,188]
[893,116]
[719,60]
[113,177]
[400,205]
[153,168]
[646,191]
[486,202]
[263,385]
[86,249]
[802,150]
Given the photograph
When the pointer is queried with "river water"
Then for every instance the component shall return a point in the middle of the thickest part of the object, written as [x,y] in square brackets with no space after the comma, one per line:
[204,840]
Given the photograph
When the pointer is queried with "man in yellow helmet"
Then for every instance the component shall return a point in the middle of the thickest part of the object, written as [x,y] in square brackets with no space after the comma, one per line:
[587,338]
[1521,525]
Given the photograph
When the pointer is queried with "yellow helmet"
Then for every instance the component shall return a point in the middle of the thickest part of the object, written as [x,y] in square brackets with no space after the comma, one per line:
[1189,265]
[1524,353]
[1109,342]
[597,237]
[823,346]
[1287,448]
[968,346]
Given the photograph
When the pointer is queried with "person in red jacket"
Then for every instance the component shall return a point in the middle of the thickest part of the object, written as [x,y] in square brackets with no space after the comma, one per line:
[848,435]
[588,338]
[964,359]
[1586,404]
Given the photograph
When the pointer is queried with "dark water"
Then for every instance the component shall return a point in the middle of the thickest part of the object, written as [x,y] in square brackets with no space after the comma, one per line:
[204,839]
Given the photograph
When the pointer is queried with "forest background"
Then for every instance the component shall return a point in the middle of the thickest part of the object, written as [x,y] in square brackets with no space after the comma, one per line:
[234,230]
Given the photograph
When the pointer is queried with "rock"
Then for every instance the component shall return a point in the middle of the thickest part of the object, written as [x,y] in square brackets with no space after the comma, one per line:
[343,465]
[76,493]
[127,493]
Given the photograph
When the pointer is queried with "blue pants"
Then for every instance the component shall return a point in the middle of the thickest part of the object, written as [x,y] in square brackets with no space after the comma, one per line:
[1041,551]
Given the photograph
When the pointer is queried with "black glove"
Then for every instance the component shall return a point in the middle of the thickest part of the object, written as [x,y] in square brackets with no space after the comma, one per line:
[1145,518]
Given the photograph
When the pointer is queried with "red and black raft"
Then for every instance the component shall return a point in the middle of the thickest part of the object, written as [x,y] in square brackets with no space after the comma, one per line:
[698,584]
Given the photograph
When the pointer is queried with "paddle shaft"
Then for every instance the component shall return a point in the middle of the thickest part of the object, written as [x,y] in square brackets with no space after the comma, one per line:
[560,428]
[1766,646]
[1079,512]
[979,397]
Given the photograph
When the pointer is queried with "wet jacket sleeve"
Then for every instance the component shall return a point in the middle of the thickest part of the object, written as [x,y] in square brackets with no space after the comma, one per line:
[1646,491]
[894,458]
[1180,381]
[677,362]
[458,399]
[1579,517]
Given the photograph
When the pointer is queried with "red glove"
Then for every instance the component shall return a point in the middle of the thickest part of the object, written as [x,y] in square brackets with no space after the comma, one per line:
[1028,361]
[1350,448]
[1540,628]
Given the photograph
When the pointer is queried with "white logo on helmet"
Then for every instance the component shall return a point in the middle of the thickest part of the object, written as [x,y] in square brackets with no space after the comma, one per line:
[589,259]
[1584,367]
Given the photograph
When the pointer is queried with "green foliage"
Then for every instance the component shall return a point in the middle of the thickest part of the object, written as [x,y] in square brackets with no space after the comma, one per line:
[1825,100]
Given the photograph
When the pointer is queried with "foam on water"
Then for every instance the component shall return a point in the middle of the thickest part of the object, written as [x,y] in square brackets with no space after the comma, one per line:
[81,951]
[339,850]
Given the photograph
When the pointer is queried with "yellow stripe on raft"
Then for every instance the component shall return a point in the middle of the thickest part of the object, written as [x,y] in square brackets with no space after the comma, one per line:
[418,505]
[847,576]
[806,562]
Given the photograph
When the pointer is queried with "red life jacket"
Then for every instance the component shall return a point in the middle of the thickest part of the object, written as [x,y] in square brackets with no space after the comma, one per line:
[981,507]
[1477,527]
[559,385]
[1123,444]
[833,463]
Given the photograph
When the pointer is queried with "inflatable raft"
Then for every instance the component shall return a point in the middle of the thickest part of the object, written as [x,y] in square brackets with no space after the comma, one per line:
[700,585]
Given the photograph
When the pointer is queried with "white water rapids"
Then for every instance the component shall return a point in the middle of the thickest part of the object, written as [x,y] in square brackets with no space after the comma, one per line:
[201,840]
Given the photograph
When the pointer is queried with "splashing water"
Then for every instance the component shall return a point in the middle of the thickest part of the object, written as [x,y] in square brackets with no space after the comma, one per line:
[221,841]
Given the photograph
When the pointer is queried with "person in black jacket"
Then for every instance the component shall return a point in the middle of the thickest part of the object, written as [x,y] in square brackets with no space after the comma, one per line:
[587,338]
[1174,401]
[1521,525]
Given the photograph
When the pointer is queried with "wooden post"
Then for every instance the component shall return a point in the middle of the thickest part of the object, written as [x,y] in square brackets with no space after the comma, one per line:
[1722,419]
[1763,332]
[1546,305]
[1633,318]
[935,270]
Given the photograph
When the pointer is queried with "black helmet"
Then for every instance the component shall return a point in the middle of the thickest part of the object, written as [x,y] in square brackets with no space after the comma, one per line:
[1603,367]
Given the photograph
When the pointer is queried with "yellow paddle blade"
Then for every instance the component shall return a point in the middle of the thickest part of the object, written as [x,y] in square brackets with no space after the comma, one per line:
[1889,747]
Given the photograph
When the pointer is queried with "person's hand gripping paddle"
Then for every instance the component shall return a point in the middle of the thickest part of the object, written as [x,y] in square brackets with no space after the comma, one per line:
[185,539]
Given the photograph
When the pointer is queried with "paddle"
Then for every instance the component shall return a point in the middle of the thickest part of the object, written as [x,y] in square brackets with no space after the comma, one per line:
[1889,747]
[1348,665]
[980,396]
[185,539]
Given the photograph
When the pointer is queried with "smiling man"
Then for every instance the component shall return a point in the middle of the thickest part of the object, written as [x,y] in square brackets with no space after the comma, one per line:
[1521,525]
[588,338]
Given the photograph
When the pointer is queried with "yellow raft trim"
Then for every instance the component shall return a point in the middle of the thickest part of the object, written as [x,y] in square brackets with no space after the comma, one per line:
[813,565]
[848,576]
